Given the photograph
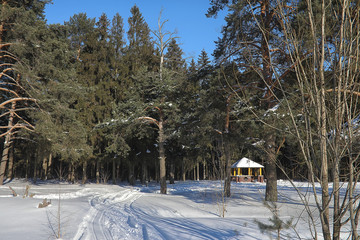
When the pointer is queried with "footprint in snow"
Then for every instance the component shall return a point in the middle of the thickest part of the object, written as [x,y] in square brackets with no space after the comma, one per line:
[132,222]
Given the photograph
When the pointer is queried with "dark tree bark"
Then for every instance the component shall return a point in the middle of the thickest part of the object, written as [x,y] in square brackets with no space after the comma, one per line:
[227,180]
[11,163]
[172,172]
[162,159]
[114,171]
[7,144]
[84,172]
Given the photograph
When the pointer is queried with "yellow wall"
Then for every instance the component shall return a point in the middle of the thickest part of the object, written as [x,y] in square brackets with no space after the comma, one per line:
[251,171]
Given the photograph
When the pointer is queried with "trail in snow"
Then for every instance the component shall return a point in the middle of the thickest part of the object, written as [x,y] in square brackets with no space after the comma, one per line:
[107,218]
[132,215]
[189,211]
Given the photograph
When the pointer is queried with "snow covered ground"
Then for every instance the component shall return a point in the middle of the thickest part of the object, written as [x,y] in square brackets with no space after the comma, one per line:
[191,210]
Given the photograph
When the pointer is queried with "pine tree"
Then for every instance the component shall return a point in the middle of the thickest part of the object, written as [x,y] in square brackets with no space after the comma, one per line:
[140,51]
[174,62]
[251,44]
[95,72]
[79,26]
[20,24]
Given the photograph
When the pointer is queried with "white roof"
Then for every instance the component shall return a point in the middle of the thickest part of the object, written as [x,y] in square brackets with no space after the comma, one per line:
[246,163]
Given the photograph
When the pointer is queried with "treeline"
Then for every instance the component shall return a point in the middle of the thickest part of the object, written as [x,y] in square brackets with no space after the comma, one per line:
[90,100]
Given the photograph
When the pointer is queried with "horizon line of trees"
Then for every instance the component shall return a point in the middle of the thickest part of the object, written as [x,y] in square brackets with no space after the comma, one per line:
[90,100]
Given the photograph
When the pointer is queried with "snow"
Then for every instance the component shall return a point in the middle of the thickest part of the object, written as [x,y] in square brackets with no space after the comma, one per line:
[190,210]
[246,163]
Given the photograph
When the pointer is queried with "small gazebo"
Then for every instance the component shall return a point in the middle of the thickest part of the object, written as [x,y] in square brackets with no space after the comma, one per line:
[246,170]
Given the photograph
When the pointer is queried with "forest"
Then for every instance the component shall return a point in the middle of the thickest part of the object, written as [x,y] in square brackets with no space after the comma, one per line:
[88,100]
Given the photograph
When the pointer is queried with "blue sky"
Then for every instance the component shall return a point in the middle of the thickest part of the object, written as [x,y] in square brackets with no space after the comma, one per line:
[187,17]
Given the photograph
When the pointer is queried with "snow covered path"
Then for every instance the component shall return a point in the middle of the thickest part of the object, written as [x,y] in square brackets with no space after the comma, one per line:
[109,217]
[131,214]
[190,211]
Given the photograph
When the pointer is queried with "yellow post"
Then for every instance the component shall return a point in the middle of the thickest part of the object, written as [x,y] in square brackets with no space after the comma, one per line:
[238,171]
[260,172]
[249,171]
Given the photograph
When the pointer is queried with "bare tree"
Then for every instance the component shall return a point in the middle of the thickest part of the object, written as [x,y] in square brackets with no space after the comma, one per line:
[325,60]
[163,39]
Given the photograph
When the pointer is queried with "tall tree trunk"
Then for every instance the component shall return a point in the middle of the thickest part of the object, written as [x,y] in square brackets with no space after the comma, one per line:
[172,172]
[7,143]
[271,172]
[131,174]
[11,163]
[162,159]
[144,173]
[324,214]
[197,171]
[114,171]
[183,171]
[227,177]
[226,149]
[71,174]
[84,172]
[44,168]
[270,165]
[4,158]
[27,166]
[97,171]
[118,171]
[204,170]
[49,166]
[35,176]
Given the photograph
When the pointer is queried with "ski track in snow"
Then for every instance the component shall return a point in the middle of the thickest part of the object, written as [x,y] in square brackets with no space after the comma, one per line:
[189,211]
[108,217]
[118,216]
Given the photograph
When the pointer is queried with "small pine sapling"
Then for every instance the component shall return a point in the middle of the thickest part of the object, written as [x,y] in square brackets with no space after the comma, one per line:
[276,223]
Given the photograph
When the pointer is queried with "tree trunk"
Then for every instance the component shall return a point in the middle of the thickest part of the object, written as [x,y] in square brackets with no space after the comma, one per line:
[7,144]
[271,173]
[113,171]
[11,163]
[336,197]
[27,165]
[144,174]
[44,168]
[118,171]
[71,174]
[4,158]
[227,177]
[204,169]
[162,159]
[271,181]
[49,166]
[97,172]
[84,172]
[172,172]
[35,169]
[324,213]
[183,171]
[131,174]
[197,171]
[60,173]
